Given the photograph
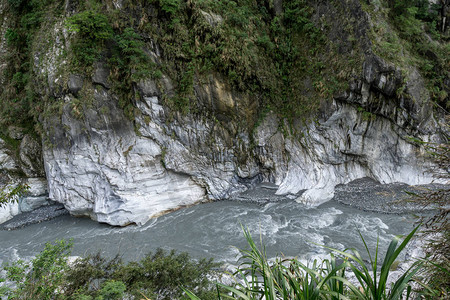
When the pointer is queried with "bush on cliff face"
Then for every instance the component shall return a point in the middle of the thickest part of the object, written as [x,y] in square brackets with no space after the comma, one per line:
[419,24]
[93,30]
[124,53]
[18,94]
[287,60]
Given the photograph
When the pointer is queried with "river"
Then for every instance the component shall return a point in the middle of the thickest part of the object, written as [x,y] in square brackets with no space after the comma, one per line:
[214,230]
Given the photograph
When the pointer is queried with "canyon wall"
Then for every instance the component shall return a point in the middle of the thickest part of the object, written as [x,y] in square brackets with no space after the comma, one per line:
[100,162]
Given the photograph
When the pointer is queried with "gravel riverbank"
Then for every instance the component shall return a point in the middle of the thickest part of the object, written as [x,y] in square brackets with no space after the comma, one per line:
[364,194]
[369,195]
[39,215]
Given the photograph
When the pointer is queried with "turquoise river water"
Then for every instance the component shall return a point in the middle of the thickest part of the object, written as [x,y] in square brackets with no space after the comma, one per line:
[214,230]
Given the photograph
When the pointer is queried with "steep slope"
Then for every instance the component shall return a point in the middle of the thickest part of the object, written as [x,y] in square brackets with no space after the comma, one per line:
[147,106]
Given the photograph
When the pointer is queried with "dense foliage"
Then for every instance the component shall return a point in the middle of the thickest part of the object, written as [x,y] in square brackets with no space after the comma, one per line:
[168,275]
[419,35]
[159,275]
[284,58]
[93,30]
[261,53]
[19,96]
[42,277]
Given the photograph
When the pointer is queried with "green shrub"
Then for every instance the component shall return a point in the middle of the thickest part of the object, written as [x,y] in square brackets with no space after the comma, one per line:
[170,7]
[160,274]
[12,37]
[128,56]
[112,290]
[129,63]
[43,277]
[165,273]
[3,289]
[20,80]
[87,274]
[16,4]
[93,29]
[91,25]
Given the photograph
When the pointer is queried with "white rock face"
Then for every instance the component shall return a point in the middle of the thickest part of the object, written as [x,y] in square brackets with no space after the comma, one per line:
[347,147]
[37,193]
[100,164]
[214,168]
[102,169]
[8,211]
[35,198]
[7,163]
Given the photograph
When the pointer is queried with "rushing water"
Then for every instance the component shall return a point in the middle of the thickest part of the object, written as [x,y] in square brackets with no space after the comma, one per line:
[212,229]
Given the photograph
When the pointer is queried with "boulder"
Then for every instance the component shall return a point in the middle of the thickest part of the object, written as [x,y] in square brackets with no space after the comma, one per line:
[101,74]
[148,88]
[381,76]
[213,19]
[75,84]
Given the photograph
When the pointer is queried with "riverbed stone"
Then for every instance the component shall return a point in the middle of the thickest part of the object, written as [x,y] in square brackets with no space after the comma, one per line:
[38,215]
[213,19]
[395,198]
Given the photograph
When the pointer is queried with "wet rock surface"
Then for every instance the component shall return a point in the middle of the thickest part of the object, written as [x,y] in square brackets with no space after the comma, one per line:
[39,215]
[124,167]
[365,194]
[369,195]
[261,194]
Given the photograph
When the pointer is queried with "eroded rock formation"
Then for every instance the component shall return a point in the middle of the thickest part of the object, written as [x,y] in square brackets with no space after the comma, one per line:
[101,163]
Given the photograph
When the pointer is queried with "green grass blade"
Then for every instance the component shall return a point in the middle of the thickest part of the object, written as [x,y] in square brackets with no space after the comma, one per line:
[403,282]
[234,291]
[391,255]
[190,294]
